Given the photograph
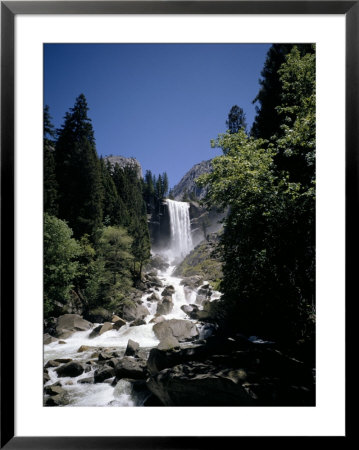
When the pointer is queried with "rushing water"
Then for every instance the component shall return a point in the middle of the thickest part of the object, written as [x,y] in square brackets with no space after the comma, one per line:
[181,238]
[103,394]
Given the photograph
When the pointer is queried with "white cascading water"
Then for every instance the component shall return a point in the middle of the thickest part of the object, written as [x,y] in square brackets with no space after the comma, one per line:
[181,238]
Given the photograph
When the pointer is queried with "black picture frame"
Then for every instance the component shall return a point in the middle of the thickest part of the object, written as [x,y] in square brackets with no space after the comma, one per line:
[9,9]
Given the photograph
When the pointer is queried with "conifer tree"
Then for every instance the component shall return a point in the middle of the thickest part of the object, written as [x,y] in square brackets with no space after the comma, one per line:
[236,120]
[78,171]
[50,183]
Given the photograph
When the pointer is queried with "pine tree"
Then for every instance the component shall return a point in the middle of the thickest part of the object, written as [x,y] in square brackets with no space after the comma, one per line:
[236,120]
[78,171]
[50,183]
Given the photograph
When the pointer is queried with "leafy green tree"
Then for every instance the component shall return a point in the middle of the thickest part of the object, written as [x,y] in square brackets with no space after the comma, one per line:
[60,264]
[50,183]
[236,120]
[78,171]
[113,266]
[267,245]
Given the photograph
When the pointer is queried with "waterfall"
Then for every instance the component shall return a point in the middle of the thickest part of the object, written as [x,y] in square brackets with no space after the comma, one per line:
[181,239]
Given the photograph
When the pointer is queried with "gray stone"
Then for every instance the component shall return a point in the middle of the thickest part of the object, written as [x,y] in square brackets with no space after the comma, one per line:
[49,339]
[132,348]
[118,324]
[180,329]
[69,324]
[165,306]
[168,343]
[128,367]
[71,369]
[103,373]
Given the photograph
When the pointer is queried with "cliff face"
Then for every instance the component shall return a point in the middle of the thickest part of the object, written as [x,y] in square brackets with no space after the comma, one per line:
[122,161]
[187,185]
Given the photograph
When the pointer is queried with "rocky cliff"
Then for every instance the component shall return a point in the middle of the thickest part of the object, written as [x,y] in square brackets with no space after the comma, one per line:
[187,185]
[122,161]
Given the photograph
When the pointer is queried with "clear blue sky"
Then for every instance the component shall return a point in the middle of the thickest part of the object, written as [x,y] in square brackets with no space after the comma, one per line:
[160,103]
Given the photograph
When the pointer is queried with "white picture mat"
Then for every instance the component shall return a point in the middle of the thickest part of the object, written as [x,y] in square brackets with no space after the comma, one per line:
[327,418]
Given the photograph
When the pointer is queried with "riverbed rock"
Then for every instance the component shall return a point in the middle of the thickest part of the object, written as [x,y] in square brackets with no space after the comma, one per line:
[88,380]
[168,291]
[71,369]
[154,297]
[46,377]
[103,373]
[187,309]
[132,348]
[168,343]
[62,342]
[84,348]
[52,363]
[137,323]
[193,282]
[182,330]
[69,324]
[157,319]
[107,326]
[57,400]
[128,367]
[54,389]
[133,311]
[198,384]
[95,332]
[165,306]
[119,323]
[115,318]
[49,339]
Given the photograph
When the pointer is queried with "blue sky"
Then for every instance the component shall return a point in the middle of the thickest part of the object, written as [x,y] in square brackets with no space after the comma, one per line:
[160,103]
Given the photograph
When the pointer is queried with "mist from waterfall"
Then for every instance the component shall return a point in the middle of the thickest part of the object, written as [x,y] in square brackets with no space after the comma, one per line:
[181,239]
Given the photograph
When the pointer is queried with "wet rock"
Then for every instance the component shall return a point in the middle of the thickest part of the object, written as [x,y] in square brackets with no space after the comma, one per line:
[57,400]
[165,306]
[118,324]
[115,318]
[157,319]
[107,326]
[52,363]
[71,369]
[128,367]
[85,348]
[88,380]
[187,309]
[132,348]
[168,291]
[103,356]
[63,360]
[46,377]
[69,324]
[182,330]
[133,311]
[62,342]
[137,323]
[157,262]
[168,343]
[192,282]
[54,389]
[49,339]
[103,373]
[95,332]
[154,297]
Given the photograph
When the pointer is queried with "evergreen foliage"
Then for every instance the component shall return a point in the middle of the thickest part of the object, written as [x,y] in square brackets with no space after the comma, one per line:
[50,183]
[78,172]
[236,120]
